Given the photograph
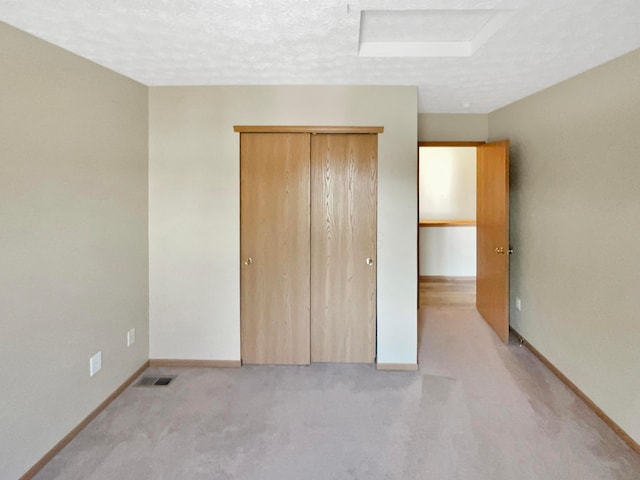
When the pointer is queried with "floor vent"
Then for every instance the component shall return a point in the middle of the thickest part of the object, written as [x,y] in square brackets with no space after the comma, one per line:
[155,381]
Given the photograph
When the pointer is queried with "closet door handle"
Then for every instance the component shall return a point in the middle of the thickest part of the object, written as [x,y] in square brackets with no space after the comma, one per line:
[369,261]
[248,261]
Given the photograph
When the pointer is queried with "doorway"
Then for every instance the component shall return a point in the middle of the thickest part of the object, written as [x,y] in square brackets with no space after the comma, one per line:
[447,223]
[463,228]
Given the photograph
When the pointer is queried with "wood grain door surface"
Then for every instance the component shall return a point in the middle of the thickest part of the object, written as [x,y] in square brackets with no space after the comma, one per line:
[275,248]
[492,287]
[343,247]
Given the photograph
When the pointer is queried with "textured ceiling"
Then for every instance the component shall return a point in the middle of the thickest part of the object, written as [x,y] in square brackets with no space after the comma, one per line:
[260,42]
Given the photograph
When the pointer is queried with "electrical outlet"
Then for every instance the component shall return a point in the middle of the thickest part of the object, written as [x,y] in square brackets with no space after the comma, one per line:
[518,304]
[95,364]
[131,337]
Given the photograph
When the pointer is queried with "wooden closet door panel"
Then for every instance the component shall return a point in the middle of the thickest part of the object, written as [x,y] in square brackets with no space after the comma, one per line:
[274,222]
[343,237]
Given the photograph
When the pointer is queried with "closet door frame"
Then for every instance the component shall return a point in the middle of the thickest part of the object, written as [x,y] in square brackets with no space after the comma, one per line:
[298,129]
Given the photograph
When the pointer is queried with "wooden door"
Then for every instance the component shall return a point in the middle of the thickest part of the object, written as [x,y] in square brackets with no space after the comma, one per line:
[343,247]
[274,248]
[492,287]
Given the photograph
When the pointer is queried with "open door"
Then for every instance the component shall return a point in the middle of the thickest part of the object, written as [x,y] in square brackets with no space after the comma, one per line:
[492,217]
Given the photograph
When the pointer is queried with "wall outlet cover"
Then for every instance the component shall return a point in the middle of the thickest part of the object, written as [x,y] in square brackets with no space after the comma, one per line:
[95,364]
[131,337]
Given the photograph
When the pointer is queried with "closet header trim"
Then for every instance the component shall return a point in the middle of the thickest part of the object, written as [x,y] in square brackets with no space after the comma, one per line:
[305,129]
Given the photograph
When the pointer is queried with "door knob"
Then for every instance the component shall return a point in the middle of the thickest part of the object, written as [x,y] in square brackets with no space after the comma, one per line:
[248,261]
[369,261]
[500,250]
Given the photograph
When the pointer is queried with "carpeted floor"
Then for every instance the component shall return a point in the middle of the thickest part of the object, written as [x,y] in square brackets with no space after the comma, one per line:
[476,410]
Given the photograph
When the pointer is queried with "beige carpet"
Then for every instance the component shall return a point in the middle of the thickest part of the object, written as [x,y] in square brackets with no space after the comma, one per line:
[476,410]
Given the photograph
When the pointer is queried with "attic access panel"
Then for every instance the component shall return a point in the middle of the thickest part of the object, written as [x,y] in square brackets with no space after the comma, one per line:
[427,33]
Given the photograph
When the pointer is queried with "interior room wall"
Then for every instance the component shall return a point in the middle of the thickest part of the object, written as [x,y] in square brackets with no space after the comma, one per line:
[574,228]
[448,251]
[447,183]
[453,127]
[73,241]
[194,208]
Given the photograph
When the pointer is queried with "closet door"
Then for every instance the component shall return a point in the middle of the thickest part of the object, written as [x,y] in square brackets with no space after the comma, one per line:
[343,247]
[274,248]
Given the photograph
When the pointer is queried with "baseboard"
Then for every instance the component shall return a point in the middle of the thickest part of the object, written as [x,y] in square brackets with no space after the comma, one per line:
[448,279]
[70,436]
[397,366]
[177,363]
[580,394]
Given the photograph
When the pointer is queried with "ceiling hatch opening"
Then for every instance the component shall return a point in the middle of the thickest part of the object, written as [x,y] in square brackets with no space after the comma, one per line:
[427,33]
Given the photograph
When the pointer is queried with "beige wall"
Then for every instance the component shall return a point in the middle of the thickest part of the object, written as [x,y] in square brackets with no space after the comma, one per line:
[451,127]
[73,241]
[194,208]
[575,210]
